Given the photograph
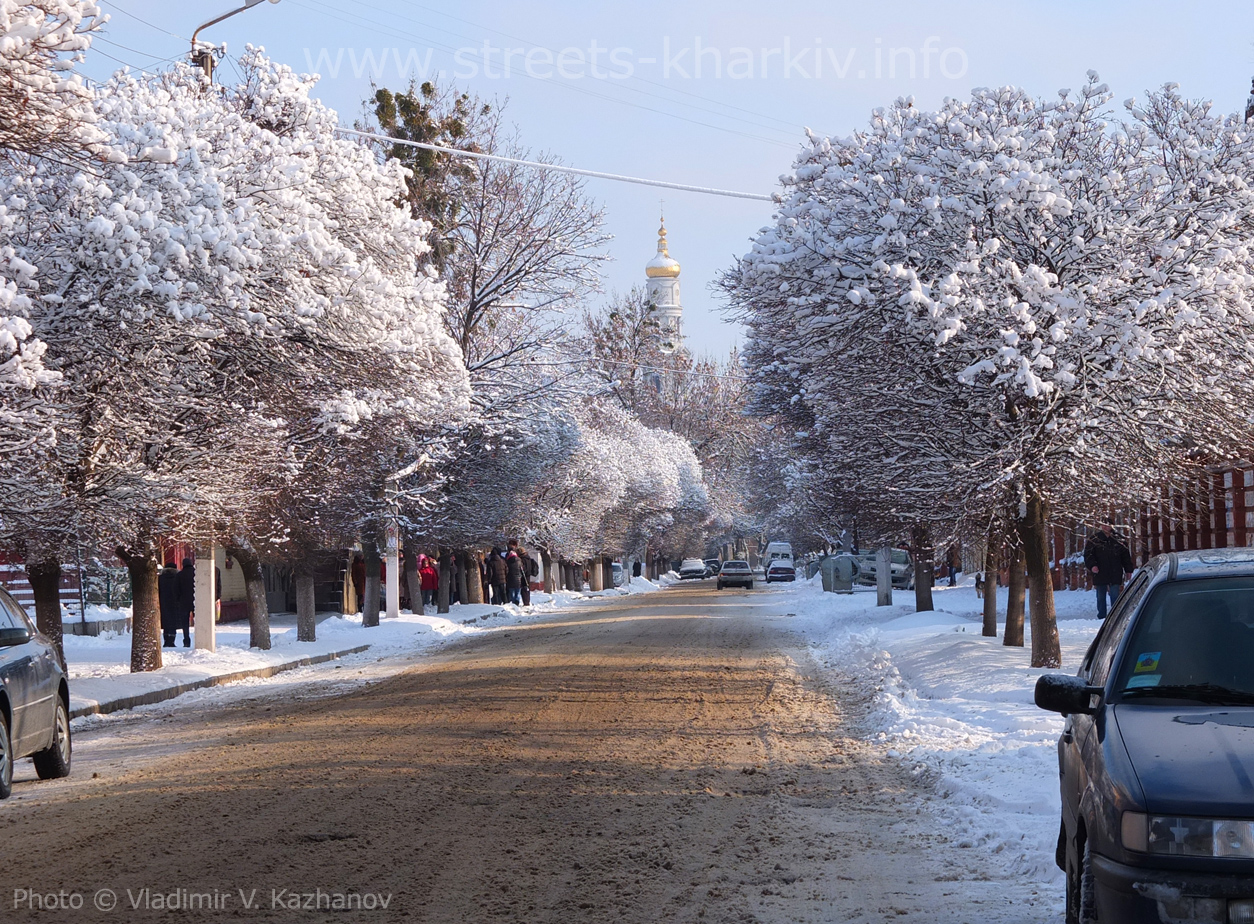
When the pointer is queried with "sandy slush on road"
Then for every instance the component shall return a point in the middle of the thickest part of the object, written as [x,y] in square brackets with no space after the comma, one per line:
[661,757]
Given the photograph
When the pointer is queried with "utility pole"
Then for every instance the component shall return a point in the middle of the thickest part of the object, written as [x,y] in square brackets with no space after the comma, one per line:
[203,56]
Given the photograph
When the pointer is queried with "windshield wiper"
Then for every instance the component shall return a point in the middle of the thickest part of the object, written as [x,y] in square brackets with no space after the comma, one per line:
[1202,692]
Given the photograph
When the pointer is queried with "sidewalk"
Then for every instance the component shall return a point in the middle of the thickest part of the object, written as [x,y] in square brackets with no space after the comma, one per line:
[101,681]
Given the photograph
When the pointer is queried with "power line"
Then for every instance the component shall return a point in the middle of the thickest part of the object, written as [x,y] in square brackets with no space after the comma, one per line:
[558,168]
[144,21]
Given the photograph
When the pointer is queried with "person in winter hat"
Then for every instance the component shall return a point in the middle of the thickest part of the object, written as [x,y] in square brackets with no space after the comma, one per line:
[1108,560]
[168,595]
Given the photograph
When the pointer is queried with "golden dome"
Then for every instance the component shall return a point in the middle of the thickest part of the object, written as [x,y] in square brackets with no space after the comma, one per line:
[662,266]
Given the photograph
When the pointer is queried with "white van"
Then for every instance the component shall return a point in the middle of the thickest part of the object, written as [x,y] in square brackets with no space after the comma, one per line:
[776,550]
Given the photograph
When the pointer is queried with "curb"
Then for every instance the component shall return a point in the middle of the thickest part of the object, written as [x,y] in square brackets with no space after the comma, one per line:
[160,696]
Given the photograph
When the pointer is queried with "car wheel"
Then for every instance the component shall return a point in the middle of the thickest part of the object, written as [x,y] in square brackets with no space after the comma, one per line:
[6,759]
[53,762]
[751,585]
[1082,891]
[720,585]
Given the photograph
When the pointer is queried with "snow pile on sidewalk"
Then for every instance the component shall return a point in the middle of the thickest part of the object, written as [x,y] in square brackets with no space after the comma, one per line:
[957,706]
[99,667]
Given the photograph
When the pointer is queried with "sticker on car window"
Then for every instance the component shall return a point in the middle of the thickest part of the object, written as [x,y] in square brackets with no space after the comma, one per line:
[1148,662]
[1145,680]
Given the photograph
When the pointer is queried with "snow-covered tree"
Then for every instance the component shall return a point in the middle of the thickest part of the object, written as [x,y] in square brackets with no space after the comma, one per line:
[1013,302]
[237,278]
[44,106]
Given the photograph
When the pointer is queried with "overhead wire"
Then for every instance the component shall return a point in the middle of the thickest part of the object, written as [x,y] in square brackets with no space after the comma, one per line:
[127,12]
[556,168]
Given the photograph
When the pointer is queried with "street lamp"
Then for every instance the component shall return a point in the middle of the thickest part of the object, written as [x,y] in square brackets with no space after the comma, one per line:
[204,57]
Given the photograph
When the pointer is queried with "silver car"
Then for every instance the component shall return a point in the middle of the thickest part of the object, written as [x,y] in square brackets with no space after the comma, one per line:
[34,699]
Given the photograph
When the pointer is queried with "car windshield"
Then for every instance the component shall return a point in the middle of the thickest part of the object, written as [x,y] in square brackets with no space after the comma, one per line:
[900,557]
[1194,640]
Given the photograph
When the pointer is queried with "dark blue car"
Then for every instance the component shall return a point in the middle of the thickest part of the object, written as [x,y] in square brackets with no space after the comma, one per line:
[1157,754]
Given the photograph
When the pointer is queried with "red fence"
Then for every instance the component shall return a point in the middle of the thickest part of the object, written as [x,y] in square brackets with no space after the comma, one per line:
[1216,513]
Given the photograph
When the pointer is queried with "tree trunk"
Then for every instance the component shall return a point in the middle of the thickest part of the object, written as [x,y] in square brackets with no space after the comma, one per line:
[463,577]
[1014,596]
[884,577]
[990,587]
[142,566]
[370,595]
[413,580]
[255,587]
[596,576]
[607,573]
[306,624]
[474,578]
[446,583]
[45,581]
[1034,530]
[546,557]
[923,565]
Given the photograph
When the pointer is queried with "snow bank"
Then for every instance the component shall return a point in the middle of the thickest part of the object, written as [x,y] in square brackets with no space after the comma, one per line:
[957,707]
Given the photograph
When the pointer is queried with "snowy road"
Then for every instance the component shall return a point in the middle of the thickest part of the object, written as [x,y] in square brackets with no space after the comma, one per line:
[670,756]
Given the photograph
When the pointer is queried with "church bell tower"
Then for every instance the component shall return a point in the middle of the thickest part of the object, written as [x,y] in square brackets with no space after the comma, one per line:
[662,290]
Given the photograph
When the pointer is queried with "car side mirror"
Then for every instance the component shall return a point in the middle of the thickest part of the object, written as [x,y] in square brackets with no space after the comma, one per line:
[10,636]
[1066,693]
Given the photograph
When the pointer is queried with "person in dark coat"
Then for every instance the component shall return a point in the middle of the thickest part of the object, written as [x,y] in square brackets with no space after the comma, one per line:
[514,576]
[168,594]
[1108,560]
[498,571]
[529,570]
[187,599]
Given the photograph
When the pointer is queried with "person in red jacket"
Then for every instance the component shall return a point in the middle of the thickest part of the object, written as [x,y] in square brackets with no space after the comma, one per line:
[430,580]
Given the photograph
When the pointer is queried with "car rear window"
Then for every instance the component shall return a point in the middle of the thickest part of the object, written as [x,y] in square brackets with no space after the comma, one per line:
[1192,633]
[736,566]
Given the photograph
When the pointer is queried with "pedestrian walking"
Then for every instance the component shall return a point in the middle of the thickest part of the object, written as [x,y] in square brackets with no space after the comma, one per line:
[168,596]
[1108,560]
[187,599]
[498,571]
[430,580]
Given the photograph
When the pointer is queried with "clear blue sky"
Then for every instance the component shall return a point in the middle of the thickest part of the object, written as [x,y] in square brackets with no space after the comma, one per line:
[633,102]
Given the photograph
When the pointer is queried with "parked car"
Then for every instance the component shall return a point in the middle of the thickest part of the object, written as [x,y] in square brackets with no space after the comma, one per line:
[735,573]
[620,576]
[712,566]
[34,699]
[780,570]
[1158,748]
[901,569]
[691,568]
